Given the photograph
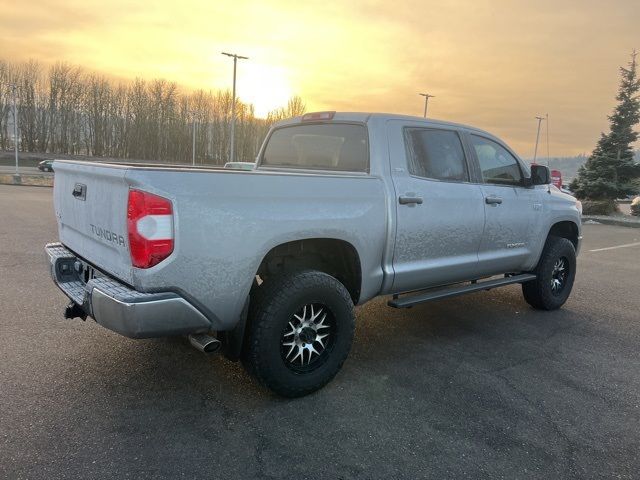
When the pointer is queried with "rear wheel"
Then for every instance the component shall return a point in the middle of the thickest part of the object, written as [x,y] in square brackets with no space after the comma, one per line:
[301,329]
[555,272]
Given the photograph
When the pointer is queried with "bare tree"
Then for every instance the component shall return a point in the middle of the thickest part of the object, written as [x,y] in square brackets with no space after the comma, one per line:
[28,95]
[65,110]
[96,107]
[5,103]
[65,102]
[295,107]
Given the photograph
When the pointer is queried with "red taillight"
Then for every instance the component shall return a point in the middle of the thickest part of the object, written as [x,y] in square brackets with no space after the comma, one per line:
[150,227]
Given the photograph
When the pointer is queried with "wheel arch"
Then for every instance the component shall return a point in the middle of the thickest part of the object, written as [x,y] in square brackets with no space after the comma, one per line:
[566,229]
[333,256]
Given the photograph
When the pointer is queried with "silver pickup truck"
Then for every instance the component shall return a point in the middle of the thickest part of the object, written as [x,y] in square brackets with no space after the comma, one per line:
[267,264]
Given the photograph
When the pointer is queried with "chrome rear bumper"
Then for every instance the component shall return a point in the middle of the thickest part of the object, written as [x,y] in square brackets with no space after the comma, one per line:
[120,308]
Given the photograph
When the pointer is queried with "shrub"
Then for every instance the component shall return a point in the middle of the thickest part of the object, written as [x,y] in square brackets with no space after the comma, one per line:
[599,207]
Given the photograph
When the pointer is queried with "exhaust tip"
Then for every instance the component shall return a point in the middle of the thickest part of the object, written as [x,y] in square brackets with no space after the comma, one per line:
[205,343]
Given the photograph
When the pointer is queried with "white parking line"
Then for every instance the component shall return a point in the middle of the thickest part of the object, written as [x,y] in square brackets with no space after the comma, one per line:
[617,246]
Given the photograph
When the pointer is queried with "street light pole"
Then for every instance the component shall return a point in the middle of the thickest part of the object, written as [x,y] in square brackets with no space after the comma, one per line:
[535,152]
[15,127]
[233,104]
[426,101]
[193,148]
[548,155]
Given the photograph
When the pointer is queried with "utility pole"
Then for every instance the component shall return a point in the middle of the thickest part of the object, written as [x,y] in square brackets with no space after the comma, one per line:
[535,152]
[15,127]
[548,156]
[426,101]
[193,148]
[235,57]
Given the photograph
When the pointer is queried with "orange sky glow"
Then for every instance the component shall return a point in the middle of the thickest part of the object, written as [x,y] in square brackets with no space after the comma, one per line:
[492,64]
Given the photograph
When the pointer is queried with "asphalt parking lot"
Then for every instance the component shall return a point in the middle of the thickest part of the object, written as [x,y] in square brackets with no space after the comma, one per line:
[480,386]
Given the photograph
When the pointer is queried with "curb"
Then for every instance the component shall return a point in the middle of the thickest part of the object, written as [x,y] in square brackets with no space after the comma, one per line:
[612,221]
[26,180]
[25,185]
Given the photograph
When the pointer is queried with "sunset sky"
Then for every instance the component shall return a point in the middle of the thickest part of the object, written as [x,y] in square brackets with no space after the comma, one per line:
[493,64]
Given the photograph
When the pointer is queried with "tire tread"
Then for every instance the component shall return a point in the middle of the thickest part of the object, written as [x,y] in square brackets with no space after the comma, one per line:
[537,293]
[268,300]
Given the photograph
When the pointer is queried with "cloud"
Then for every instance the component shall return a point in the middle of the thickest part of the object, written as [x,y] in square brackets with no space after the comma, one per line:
[491,63]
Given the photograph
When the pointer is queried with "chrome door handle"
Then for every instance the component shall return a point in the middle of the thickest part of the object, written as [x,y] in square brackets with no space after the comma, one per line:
[404,200]
[492,200]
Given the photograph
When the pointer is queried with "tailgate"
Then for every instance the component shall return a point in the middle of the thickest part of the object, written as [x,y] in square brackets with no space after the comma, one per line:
[91,208]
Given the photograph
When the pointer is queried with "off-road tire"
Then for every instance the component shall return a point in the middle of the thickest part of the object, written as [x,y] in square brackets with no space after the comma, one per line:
[538,293]
[273,305]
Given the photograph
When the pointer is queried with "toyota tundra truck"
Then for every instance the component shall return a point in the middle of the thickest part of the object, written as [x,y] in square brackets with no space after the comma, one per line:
[266,265]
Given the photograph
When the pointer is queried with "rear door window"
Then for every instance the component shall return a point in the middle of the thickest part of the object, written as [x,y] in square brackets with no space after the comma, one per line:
[327,146]
[436,154]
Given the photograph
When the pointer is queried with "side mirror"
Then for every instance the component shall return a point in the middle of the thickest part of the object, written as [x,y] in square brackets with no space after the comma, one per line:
[540,175]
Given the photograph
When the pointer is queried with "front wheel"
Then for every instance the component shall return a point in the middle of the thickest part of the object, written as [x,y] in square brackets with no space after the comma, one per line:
[555,272]
[301,329]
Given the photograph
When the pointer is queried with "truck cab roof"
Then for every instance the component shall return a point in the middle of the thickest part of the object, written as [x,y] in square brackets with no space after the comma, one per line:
[364,117]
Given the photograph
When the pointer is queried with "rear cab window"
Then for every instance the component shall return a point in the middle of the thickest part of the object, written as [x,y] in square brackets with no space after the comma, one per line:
[320,146]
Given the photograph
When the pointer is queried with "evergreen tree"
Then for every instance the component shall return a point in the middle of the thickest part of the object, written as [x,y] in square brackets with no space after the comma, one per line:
[610,170]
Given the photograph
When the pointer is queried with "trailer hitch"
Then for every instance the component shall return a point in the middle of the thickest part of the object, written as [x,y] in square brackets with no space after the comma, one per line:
[73,310]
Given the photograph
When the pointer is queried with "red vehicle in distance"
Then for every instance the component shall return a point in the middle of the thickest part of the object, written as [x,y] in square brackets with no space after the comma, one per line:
[556,177]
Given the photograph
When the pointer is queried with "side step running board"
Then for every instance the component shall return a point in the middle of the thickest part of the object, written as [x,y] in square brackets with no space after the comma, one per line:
[454,291]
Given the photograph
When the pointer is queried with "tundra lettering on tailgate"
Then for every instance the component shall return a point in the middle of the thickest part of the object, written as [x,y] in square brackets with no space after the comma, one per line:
[107,235]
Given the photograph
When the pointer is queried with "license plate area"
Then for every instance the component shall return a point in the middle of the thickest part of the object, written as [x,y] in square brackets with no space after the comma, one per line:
[74,270]
[84,271]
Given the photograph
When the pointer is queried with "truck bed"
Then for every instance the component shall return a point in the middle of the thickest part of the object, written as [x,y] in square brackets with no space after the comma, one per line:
[225,222]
